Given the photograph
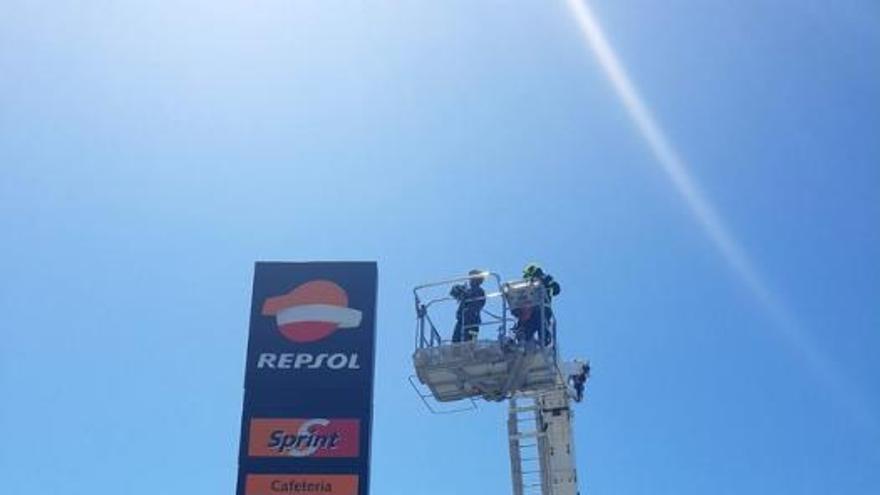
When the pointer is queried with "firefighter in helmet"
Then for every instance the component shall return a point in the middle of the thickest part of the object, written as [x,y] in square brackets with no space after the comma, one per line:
[471,299]
[529,318]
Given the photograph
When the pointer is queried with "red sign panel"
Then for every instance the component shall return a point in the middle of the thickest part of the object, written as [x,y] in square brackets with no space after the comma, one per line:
[298,437]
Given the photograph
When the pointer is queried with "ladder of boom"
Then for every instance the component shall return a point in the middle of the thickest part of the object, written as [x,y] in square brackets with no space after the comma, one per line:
[539,429]
[523,433]
[521,365]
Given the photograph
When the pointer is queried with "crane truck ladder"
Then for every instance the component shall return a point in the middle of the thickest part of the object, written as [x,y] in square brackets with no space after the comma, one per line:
[539,388]
[542,459]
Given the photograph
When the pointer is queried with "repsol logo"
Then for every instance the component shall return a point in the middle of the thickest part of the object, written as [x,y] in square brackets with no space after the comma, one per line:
[305,360]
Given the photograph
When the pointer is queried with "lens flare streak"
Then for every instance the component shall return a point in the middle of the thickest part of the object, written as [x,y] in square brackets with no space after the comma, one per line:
[703,211]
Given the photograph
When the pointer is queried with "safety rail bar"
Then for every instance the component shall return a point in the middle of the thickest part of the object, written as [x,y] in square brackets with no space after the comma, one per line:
[427,334]
[425,395]
[432,337]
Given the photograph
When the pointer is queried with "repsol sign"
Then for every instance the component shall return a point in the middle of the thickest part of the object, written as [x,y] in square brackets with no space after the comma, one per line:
[308,388]
[307,360]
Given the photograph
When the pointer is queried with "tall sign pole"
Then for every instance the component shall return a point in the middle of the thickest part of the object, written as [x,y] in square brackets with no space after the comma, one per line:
[308,398]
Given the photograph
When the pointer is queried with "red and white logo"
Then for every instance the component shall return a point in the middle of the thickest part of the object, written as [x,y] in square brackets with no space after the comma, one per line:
[312,311]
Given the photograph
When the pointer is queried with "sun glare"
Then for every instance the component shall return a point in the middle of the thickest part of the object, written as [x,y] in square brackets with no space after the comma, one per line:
[704,213]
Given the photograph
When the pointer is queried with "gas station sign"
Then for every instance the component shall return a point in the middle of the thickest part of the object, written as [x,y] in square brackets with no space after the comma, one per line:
[307,414]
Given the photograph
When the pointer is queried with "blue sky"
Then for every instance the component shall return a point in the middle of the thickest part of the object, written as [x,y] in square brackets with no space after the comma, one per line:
[150,153]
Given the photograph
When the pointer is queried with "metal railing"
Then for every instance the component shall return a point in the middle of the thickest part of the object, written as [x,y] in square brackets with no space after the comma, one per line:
[426,298]
[525,297]
[509,306]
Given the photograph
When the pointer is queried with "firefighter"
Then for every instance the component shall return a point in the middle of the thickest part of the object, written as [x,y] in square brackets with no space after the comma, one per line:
[534,272]
[471,299]
[529,318]
[579,379]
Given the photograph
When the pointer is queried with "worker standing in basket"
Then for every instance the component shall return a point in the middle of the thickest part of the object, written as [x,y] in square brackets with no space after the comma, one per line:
[471,299]
[529,319]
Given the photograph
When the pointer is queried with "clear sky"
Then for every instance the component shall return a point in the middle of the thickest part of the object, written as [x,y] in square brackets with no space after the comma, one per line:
[150,152]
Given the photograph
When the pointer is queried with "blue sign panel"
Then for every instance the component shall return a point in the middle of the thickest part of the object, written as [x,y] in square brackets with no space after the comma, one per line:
[308,399]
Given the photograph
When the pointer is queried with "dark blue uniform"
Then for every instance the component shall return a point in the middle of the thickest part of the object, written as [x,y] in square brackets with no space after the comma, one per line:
[471,300]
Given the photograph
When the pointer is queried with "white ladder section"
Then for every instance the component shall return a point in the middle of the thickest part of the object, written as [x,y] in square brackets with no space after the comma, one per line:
[542,458]
[525,456]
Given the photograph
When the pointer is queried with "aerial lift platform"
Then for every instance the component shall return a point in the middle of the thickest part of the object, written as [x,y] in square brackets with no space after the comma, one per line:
[511,365]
